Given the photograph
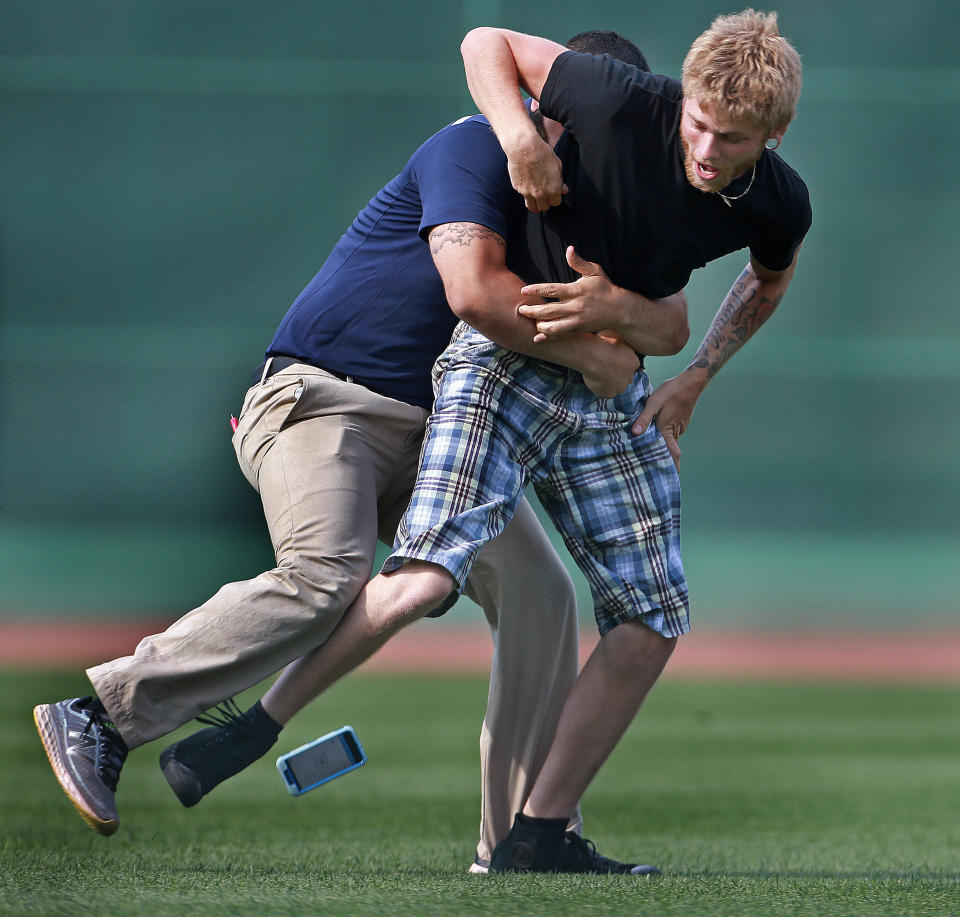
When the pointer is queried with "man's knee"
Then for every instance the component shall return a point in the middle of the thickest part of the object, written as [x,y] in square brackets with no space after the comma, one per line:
[554,583]
[415,589]
[329,578]
[321,588]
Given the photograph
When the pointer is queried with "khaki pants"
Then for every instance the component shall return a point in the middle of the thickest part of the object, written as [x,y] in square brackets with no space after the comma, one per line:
[334,464]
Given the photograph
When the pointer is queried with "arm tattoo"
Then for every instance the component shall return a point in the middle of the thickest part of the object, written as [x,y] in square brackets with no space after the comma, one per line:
[461,234]
[743,311]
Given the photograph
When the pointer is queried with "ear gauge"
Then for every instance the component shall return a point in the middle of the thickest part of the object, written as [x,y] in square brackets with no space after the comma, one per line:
[772,143]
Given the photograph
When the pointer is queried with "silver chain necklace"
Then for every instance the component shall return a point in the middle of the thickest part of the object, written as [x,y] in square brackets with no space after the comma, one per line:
[727,200]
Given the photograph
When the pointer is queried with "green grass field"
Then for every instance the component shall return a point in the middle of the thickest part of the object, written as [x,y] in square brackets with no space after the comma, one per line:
[754,799]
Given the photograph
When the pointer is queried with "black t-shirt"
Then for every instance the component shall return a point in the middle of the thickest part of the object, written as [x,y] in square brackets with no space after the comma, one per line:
[636,213]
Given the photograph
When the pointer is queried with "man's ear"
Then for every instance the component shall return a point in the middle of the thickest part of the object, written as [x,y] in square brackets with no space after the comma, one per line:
[775,137]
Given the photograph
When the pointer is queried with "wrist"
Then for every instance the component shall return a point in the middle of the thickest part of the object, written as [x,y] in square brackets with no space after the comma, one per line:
[635,322]
[581,351]
[695,376]
[628,327]
[518,137]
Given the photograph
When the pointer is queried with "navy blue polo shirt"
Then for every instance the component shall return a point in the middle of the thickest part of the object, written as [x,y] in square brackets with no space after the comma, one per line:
[376,310]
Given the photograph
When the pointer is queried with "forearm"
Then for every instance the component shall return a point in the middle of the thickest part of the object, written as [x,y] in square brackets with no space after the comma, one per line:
[751,301]
[497,63]
[490,306]
[494,83]
[655,327]
[483,292]
[658,327]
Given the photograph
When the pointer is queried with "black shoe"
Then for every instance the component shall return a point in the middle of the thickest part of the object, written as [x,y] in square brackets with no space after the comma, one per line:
[580,855]
[86,753]
[198,763]
[531,845]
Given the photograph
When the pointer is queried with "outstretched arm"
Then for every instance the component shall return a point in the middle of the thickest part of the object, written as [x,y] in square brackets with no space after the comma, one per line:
[483,292]
[655,327]
[751,301]
[498,63]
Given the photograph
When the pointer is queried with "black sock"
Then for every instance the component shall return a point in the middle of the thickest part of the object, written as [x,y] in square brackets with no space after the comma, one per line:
[94,705]
[547,825]
[262,723]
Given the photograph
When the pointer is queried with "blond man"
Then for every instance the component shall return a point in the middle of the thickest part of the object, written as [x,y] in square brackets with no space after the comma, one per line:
[692,170]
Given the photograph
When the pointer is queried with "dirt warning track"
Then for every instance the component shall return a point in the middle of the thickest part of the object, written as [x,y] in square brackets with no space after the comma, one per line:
[880,657]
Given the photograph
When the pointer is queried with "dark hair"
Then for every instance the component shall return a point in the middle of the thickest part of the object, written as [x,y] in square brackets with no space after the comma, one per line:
[612,43]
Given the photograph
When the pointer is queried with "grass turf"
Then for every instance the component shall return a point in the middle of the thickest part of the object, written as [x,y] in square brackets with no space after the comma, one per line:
[754,799]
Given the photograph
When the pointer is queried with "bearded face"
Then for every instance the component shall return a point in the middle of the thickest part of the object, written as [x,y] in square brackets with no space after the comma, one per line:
[716,148]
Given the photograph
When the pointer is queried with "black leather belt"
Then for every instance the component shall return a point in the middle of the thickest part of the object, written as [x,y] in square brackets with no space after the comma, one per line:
[282,362]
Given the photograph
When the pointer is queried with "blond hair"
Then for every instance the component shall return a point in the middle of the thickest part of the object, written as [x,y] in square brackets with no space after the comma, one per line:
[742,66]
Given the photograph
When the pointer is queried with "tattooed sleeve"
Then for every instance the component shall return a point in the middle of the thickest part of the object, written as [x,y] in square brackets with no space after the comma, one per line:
[743,311]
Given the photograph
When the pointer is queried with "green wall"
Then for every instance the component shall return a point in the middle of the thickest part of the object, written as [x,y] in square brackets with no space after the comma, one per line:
[172,173]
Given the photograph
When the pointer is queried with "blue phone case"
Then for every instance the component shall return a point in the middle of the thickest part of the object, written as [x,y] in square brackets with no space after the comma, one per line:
[320,761]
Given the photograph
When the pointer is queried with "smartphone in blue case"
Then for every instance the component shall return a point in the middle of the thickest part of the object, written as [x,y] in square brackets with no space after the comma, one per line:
[320,761]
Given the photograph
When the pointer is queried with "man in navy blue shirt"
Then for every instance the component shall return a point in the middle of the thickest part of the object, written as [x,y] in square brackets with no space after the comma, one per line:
[329,435]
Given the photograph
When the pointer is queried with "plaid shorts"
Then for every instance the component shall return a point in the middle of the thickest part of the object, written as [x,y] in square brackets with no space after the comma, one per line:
[502,420]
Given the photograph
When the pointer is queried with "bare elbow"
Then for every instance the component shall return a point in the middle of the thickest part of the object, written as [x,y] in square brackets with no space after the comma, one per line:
[678,334]
[672,337]
[465,304]
[681,336]
[472,37]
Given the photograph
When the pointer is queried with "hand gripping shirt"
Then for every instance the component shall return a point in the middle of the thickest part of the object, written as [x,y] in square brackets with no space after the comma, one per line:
[636,213]
[376,310]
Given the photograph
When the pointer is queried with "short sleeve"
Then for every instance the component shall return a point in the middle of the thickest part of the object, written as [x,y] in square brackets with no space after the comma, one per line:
[789,219]
[585,92]
[462,178]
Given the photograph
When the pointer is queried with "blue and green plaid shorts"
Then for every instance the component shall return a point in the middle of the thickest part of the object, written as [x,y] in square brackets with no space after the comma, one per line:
[502,420]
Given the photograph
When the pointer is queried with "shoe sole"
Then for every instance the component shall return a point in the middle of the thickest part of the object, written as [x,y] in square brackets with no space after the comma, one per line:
[51,745]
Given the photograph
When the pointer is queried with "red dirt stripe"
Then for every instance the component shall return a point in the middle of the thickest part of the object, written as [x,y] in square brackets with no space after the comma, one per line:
[925,657]
[930,657]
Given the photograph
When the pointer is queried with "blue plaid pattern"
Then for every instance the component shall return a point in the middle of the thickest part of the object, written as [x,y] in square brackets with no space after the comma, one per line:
[502,420]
